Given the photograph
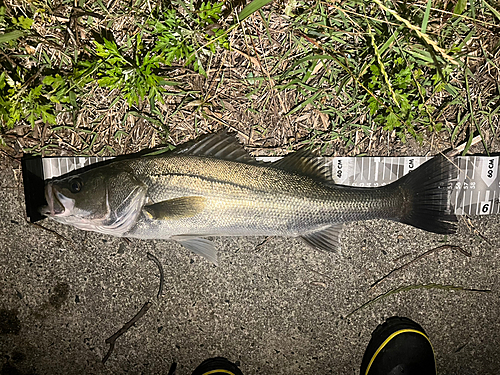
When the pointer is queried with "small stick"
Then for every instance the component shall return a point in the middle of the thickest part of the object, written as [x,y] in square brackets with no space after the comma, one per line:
[162,278]
[406,265]
[111,340]
[60,236]
[418,286]
[457,150]
[263,242]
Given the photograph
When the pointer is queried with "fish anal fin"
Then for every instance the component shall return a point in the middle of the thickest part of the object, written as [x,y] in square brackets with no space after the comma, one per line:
[200,246]
[325,239]
[176,208]
[305,163]
[220,145]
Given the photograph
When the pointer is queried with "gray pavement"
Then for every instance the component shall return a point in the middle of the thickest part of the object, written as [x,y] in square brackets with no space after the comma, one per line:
[276,307]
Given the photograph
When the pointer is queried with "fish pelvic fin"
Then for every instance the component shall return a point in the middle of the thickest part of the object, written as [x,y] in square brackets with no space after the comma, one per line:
[325,239]
[200,246]
[176,208]
[426,197]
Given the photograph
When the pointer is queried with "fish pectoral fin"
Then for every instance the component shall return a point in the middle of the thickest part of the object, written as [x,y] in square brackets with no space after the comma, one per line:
[176,208]
[326,239]
[200,246]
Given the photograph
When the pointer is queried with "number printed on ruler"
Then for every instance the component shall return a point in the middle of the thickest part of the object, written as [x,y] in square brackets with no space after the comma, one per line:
[489,174]
[410,164]
[489,170]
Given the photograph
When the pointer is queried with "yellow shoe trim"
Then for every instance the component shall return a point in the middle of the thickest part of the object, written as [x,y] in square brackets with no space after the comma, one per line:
[389,339]
[218,372]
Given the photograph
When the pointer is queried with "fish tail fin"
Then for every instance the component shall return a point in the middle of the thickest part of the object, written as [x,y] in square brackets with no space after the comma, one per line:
[427,197]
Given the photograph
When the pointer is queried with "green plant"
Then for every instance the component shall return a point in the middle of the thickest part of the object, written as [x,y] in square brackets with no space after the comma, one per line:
[372,61]
[137,68]
[21,92]
[134,76]
[190,36]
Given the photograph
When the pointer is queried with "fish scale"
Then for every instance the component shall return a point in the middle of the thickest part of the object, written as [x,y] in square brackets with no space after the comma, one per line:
[251,199]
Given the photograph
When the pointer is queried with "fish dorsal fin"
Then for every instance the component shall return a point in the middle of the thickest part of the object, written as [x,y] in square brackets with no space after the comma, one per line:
[304,162]
[176,208]
[219,145]
[200,246]
[325,239]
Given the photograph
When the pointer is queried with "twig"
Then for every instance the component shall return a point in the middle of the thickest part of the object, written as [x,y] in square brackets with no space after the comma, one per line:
[9,155]
[60,236]
[111,340]
[458,150]
[9,59]
[160,267]
[406,265]
[475,231]
[419,286]
[263,242]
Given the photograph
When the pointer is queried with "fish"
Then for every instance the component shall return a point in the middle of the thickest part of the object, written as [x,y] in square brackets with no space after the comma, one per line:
[214,187]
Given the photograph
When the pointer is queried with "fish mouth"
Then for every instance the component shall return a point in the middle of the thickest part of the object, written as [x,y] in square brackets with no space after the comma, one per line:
[54,206]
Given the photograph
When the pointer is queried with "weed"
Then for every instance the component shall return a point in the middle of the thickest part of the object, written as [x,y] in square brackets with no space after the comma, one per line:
[388,64]
[21,92]
[365,68]
[137,69]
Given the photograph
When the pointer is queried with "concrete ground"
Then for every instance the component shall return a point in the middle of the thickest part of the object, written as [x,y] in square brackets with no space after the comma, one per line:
[276,307]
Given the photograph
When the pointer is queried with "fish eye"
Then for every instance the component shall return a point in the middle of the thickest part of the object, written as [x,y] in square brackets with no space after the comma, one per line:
[75,185]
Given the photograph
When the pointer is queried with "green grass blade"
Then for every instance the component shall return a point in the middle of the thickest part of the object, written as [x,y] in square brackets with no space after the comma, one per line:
[304,103]
[253,7]
[13,35]
[425,21]
[493,10]
[460,7]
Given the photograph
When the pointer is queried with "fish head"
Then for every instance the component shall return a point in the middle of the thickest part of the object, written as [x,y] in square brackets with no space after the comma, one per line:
[105,199]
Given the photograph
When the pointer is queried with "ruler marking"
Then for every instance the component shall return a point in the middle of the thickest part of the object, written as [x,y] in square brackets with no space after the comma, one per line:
[362,169]
[51,172]
[470,203]
[59,166]
[355,171]
[465,170]
[475,166]
[478,200]
[52,167]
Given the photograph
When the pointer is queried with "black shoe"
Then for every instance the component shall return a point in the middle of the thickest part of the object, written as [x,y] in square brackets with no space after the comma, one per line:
[399,346]
[217,366]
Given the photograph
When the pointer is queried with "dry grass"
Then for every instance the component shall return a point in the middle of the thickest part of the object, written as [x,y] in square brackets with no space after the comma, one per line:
[244,89]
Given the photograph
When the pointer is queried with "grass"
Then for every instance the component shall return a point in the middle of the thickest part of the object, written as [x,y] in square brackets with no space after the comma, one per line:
[351,77]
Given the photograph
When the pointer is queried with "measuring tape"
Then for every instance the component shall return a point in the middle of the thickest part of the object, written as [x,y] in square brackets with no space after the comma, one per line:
[475,185]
